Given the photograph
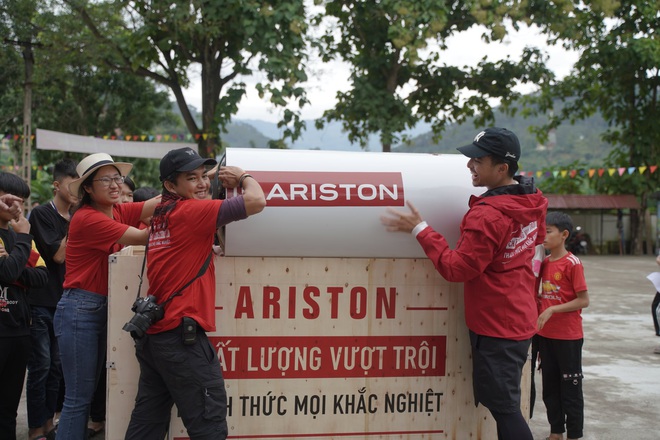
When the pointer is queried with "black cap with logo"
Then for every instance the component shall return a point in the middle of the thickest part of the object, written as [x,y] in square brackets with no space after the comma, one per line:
[182,160]
[494,141]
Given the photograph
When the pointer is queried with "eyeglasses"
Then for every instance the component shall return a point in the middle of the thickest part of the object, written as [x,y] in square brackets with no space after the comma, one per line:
[107,181]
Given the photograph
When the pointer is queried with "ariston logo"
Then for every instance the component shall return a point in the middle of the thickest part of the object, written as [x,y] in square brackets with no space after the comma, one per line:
[323,188]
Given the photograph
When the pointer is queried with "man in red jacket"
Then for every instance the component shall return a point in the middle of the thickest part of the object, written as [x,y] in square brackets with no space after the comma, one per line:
[493,258]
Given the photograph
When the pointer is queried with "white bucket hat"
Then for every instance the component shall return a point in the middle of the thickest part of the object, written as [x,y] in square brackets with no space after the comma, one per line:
[93,162]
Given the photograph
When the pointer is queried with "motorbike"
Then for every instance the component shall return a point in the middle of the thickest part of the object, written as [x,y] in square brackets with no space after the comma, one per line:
[577,243]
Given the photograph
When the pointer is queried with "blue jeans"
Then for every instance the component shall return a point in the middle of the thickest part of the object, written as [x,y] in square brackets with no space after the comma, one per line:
[44,368]
[80,326]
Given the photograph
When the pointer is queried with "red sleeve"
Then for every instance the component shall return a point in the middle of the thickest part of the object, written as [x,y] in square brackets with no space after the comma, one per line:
[577,278]
[129,213]
[476,247]
[95,230]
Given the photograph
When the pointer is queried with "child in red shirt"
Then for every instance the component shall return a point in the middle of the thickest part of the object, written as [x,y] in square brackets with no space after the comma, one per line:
[562,297]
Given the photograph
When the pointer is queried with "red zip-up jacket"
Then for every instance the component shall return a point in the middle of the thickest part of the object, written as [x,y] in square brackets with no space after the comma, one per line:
[493,258]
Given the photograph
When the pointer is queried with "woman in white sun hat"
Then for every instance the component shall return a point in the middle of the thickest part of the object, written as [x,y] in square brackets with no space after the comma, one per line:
[99,227]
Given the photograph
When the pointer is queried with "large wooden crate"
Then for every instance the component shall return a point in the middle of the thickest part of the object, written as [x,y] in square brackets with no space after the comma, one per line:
[323,348]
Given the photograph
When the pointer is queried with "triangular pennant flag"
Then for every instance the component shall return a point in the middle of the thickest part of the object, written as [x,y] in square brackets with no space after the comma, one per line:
[601,171]
[174,137]
[538,174]
[611,171]
[583,172]
[631,170]
[197,136]
[151,138]
[652,168]
[143,137]
[642,169]
[166,137]
[159,137]
[136,137]
[205,136]
[563,173]
[16,137]
[32,137]
[105,137]
[113,138]
[591,172]
[555,173]
[573,173]
[621,171]
[189,137]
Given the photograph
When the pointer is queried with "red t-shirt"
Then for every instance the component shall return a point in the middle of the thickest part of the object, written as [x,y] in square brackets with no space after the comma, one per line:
[176,253]
[561,280]
[92,238]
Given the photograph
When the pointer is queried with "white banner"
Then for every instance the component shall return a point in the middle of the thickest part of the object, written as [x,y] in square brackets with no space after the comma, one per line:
[55,140]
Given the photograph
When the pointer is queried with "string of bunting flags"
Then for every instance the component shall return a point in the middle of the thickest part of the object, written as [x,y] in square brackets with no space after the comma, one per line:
[590,172]
[137,137]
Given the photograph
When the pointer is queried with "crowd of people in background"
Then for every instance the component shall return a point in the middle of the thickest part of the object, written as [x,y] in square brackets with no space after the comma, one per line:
[54,291]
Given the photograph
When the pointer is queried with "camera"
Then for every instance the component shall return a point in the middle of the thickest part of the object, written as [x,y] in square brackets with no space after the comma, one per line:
[147,311]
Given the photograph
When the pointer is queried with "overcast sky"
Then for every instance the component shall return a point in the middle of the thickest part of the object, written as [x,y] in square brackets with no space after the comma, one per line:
[326,79]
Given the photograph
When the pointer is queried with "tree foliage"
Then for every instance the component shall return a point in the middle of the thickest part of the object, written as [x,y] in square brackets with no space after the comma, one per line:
[72,92]
[395,50]
[617,74]
[227,41]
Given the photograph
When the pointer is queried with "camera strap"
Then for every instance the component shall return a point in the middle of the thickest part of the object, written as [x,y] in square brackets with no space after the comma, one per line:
[199,274]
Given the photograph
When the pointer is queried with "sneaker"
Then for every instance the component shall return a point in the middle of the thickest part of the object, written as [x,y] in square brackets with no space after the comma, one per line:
[657,350]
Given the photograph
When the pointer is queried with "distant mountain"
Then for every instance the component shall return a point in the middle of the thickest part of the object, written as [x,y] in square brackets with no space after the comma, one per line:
[332,137]
[244,135]
[569,143]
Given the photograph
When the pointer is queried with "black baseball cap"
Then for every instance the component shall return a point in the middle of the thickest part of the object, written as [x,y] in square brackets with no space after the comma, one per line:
[494,141]
[182,160]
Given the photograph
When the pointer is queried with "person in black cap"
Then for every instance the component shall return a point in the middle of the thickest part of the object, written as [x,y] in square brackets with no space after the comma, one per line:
[178,365]
[493,258]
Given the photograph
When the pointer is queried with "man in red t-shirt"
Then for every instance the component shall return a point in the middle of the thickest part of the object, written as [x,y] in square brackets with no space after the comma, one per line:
[178,365]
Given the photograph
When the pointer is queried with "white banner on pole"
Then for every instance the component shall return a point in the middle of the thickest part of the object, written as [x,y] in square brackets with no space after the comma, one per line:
[54,140]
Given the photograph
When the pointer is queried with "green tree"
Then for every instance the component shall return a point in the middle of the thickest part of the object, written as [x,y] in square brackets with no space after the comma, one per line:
[225,41]
[71,93]
[618,75]
[395,47]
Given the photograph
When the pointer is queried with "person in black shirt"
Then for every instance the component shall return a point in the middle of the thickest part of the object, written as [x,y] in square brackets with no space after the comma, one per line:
[21,268]
[49,224]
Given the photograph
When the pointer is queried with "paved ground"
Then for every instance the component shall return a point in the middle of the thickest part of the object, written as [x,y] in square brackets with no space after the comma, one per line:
[622,377]
[622,374]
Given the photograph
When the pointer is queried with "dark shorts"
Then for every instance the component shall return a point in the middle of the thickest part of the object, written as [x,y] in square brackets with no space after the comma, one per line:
[497,369]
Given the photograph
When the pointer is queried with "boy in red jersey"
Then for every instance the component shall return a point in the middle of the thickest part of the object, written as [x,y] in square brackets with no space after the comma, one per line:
[562,298]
